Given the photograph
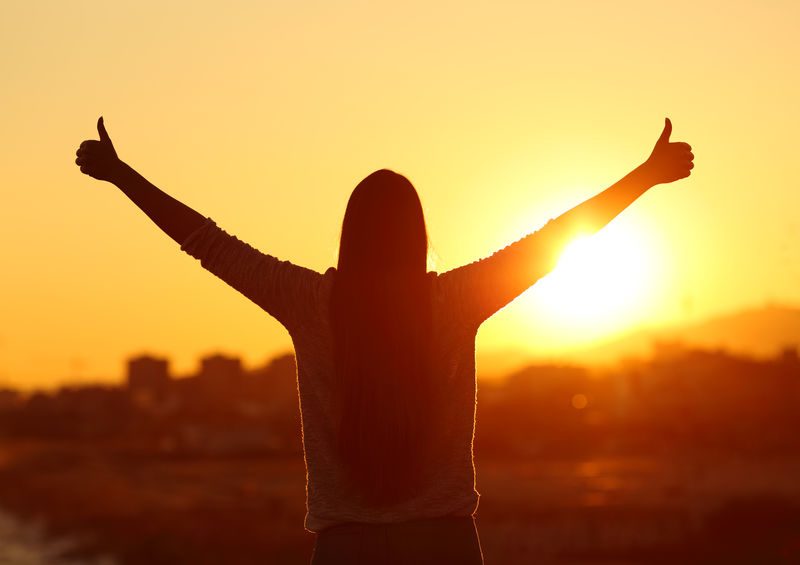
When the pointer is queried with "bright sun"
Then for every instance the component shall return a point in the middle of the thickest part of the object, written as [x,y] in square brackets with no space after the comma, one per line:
[602,284]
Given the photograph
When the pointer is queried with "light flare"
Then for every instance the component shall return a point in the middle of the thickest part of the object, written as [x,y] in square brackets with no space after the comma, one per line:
[601,284]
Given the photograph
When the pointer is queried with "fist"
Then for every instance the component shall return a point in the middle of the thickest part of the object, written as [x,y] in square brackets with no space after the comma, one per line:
[98,159]
[670,160]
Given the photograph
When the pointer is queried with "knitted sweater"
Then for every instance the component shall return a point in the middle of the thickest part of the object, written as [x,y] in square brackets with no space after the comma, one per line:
[299,298]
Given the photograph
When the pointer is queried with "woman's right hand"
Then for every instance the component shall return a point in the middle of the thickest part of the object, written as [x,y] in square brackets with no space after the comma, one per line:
[98,159]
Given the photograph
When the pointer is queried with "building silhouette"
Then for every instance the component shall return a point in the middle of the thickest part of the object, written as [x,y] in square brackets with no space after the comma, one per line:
[148,380]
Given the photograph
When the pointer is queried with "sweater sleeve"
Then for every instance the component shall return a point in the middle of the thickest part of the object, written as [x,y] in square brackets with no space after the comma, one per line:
[286,291]
[479,289]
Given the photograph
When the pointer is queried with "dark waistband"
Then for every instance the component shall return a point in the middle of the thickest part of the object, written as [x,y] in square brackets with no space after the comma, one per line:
[426,524]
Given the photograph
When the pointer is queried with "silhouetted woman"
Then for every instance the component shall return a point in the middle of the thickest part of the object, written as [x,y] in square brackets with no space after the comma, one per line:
[385,351]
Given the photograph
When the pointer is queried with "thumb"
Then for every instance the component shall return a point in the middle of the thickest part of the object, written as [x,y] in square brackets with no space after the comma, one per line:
[101,129]
[664,137]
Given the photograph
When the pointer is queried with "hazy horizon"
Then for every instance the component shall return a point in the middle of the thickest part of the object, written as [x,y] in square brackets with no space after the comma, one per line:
[500,362]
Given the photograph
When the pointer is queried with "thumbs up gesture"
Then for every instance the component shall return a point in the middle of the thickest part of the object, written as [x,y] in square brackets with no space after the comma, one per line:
[670,160]
[98,159]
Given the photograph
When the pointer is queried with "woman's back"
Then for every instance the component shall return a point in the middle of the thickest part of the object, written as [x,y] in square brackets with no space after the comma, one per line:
[300,299]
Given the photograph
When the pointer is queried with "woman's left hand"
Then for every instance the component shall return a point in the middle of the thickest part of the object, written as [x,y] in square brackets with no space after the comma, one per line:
[670,160]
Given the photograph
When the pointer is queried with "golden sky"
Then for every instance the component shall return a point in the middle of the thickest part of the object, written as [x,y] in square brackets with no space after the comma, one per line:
[265,115]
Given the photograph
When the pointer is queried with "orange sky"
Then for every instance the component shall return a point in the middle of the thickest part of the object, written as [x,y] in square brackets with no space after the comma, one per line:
[264,116]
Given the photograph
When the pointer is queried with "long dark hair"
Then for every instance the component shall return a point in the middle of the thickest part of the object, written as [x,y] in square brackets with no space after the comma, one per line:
[381,321]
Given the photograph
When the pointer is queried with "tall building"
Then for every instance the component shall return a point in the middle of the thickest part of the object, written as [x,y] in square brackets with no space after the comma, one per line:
[220,373]
[148,379]
[220,366]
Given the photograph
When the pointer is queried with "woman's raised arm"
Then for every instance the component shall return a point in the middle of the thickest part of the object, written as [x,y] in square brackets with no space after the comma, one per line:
[286,291]
[99,160]
[485,286]
[668,162]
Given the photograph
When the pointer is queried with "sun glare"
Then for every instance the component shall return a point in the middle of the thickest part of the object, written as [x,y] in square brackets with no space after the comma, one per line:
[601,284]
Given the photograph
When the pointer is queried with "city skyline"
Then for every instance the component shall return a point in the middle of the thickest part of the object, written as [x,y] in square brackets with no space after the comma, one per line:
[761,332]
